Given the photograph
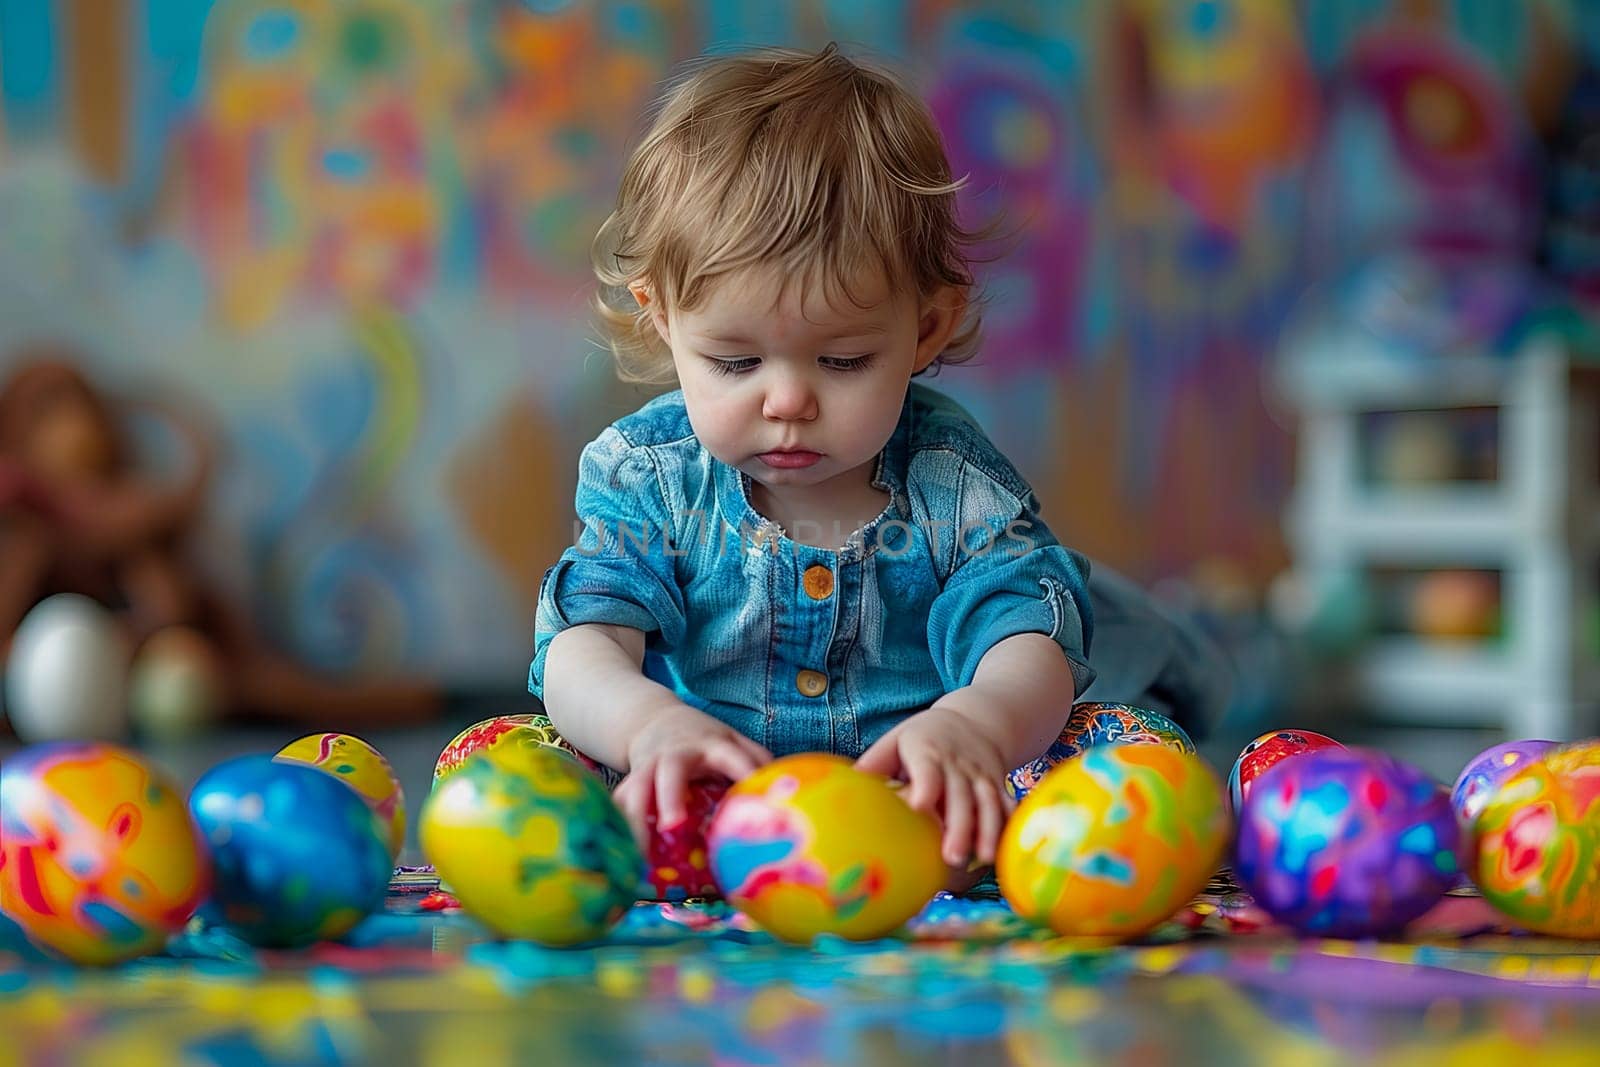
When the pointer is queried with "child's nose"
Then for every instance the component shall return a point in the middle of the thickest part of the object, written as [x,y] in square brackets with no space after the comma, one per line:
[790,399]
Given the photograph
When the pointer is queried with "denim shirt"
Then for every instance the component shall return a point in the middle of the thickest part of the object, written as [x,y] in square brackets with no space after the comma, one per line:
[804,648]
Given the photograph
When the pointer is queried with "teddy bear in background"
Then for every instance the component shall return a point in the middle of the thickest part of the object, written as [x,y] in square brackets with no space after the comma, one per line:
[80,514]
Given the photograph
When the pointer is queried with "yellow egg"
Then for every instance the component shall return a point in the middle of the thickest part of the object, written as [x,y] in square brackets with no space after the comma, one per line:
[809,845]
[532,845]
[362,768]
[1112,842]
[1538,840]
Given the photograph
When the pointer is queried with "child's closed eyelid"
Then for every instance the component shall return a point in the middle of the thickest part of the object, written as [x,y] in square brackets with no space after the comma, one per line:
[848,363]
[732,364]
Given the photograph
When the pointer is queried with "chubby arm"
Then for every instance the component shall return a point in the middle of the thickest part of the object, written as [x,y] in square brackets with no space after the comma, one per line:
[1020,696]
[957,753]
[599,699]
[595,692]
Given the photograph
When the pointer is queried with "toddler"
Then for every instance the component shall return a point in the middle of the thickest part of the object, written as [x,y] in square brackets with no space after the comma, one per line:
[800,548]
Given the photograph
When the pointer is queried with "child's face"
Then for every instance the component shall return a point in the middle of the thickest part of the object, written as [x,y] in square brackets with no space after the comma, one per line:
[798,391]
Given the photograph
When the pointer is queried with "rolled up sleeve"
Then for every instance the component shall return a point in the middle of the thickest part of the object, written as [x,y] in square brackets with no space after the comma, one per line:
[621,570]
[1008,575]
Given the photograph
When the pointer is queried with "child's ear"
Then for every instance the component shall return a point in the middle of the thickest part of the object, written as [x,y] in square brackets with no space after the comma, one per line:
[938,318]
[658,314]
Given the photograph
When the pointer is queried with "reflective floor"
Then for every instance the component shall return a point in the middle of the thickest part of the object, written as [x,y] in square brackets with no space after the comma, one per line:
[695,984]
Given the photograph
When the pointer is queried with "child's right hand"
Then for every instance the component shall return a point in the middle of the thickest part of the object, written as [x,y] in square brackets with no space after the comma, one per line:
[676,746]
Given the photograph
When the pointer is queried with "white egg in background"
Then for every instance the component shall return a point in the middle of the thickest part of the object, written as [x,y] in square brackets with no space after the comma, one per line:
[66,678]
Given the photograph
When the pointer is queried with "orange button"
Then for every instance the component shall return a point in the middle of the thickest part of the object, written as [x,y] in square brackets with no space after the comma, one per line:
[818,582]
[811,683]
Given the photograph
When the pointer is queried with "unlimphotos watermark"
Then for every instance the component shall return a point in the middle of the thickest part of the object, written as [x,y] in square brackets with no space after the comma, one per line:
[693,531]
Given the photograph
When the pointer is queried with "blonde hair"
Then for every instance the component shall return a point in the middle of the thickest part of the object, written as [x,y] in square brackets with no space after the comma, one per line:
[809,162]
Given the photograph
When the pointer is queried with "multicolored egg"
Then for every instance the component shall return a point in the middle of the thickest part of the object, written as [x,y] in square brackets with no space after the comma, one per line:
[1347,843]
[512,730]
[1538,855]
[299,856]
[1114,841]
[1265,752]
[99,860]
[361,767]
[1485,772]
[810,845]
[677,860]
[1091,724]
[532,845]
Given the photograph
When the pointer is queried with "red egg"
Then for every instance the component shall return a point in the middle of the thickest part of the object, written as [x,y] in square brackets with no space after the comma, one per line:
[676,859]
[1265,752]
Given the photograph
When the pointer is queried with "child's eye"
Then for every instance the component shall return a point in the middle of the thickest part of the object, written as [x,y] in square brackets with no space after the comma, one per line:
[737,365]
[847,363]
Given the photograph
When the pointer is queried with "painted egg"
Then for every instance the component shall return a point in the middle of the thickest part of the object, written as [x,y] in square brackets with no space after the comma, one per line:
[677,860]
[1269,750]
[1485,772]
[361,767]
[1347,843]
[1093,724]
[99,860]
[1539,844]
[512,730]
[810,845]
[299,856]
[532,845]
[1111,843]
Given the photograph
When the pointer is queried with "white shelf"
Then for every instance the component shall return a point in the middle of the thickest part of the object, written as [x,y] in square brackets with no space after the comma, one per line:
[1539,526]
[1476,521]
[1355,373]
[1465,683]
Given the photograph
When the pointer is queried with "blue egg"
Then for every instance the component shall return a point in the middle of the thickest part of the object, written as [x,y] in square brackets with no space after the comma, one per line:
[298,855]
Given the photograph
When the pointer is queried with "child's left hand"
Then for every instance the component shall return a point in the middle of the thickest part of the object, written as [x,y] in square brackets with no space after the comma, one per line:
[953,768]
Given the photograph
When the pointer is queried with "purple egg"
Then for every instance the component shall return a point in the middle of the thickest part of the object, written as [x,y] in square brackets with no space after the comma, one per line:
[1346,842]
[1485,771]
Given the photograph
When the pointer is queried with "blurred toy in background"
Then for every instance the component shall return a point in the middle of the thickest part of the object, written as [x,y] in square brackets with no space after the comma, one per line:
[82,513]
[1455,604]
[1423,448]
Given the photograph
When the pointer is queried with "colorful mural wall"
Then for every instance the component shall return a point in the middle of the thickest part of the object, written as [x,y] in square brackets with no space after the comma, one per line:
[354,234]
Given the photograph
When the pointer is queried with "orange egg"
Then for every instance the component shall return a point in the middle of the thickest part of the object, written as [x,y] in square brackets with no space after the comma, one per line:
[99,860]
[1112,842]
